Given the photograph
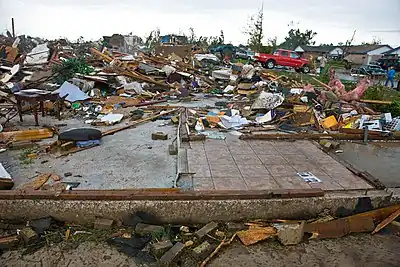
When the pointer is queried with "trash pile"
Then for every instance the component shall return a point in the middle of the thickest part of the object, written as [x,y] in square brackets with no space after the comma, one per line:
[147,240]
[103,85]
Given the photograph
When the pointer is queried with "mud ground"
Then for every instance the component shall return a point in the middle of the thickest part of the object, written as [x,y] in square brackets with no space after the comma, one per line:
[361,250]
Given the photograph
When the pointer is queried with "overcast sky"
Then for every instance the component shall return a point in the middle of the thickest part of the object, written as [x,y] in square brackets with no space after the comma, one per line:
[334,21]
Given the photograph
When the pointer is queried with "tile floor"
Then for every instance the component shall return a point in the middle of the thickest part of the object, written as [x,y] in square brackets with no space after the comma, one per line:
[234,164]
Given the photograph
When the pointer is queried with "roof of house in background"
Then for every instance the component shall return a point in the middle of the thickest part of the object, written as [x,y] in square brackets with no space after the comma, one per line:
[392,51]
[364,49]
[318,49]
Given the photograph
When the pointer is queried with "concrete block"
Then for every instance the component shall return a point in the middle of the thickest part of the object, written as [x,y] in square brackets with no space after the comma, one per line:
[206,229]
[172,150]
[171,254]
[28,235]
[159,136]
[234,226]
[291,233]
[159,249]
[102,223]
[142,228]
[202,251]
[175,120]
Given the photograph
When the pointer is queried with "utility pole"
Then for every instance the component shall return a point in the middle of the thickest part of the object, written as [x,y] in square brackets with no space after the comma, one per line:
[13,29]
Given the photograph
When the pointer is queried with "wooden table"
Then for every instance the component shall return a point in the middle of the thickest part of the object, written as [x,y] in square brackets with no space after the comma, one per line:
[36,98]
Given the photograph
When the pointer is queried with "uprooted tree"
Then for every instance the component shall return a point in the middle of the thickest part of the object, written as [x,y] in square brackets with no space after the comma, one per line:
[255,30]
[296,37]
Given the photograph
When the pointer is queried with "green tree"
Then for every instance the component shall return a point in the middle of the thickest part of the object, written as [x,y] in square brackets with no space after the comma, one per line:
[255,30]
[296,37]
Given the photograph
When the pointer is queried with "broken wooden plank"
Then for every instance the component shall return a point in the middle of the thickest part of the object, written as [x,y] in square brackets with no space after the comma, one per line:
[323,84]
[28,135]
[362,222]
[38,182]
[113,131]
[340,227]
[256,234]
[300,136]
[375,101]
[388,220]
[8,242]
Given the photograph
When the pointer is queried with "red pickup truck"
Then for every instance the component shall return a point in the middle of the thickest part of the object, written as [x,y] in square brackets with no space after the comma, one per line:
[285,58]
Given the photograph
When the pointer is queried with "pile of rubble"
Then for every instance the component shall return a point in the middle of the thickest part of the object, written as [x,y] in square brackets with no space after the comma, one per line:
[147,240]
[103,86]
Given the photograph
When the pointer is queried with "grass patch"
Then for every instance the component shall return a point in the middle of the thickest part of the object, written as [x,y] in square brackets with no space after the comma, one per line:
[24,157]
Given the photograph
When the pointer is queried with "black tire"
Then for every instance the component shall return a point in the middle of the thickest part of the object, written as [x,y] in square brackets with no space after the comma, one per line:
[237,56]
[297,70]
[306,69]
[270,64]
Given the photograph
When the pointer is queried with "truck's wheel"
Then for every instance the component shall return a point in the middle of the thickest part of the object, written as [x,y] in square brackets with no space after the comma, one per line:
[306,69]
[270,64]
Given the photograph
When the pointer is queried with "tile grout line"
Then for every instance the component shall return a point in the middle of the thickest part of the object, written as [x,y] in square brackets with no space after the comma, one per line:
[230,153]
[209,167]
[273,178]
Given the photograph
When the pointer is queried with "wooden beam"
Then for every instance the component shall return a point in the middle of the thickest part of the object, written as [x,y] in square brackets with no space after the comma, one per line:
[159,194]
[375,101]
[300,136]
[323,84]
[27,135]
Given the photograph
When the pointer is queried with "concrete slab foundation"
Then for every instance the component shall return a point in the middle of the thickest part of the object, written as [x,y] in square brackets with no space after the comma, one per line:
[191,211]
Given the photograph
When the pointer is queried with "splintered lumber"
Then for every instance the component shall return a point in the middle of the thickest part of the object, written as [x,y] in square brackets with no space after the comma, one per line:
[256,234]
[113,131]
[340,136]
[218,248]
[362,222]
[323,84]
[105,57]
[38,182]
[388,220]
[27,135]
[375,101]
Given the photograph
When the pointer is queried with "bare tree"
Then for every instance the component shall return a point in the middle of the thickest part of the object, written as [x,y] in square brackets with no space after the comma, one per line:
[255,30]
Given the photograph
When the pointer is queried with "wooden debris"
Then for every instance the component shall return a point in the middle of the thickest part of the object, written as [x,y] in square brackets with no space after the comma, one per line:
[29,135]
[340,227]
[317,136]
[256,234]
[375,101]
[218,248]
[38,182]
[362,222]
[388,220]
[55,177]
[8,242]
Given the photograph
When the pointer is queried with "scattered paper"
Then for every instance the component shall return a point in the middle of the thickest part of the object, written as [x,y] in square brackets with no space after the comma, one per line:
[229,88]
[38,55]
[134,86]
[265,118]
[233,122]
[112,118]
[73,92]
[309,177]
[267,101]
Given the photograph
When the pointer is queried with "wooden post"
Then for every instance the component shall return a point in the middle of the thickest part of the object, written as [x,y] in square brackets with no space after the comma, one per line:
[13,28]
